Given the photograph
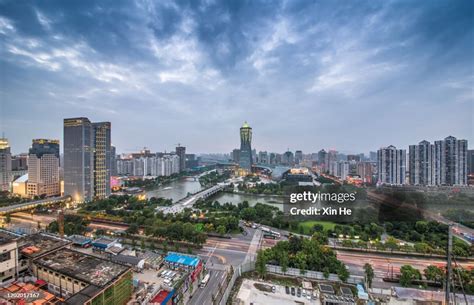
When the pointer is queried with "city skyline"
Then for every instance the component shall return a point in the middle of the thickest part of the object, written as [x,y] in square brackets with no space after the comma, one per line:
[353,77]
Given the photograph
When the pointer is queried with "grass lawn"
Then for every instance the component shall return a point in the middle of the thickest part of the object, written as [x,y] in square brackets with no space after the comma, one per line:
[309,224]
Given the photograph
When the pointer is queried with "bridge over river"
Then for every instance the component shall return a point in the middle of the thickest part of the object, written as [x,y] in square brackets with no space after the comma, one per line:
[190,200]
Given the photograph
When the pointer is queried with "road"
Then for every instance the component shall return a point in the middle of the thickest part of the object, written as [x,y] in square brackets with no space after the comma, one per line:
[204,295]
[384,264]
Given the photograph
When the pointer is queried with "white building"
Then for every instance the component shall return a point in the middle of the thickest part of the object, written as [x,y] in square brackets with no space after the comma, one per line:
[391,165]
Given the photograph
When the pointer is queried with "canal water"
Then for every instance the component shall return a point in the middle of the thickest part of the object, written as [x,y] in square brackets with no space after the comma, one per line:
[176,190]
[179,189]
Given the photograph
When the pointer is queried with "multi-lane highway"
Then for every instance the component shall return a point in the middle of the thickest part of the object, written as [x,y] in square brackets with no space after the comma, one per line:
[384,264]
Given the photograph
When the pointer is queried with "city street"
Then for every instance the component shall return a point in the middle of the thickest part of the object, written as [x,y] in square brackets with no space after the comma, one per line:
[204,295]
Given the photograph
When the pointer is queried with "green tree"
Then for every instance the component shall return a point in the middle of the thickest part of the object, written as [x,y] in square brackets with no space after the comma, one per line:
[391,243]
[369,274]
[221,230]
[343,273]
[434,273]
[284,261]
[408,274]
[261,264]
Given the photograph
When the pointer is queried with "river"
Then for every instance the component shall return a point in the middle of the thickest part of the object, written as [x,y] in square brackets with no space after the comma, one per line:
[179,189]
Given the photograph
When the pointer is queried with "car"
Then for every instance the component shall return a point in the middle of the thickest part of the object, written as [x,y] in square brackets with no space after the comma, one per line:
[273,289]
[299,292]
[292,290]
[287,290]
[304,293]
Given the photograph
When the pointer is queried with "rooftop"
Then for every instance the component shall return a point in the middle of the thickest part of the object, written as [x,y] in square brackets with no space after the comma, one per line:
[7,237]
[40,243]
[182,259]
[22,179]
[87,268]
[79,239]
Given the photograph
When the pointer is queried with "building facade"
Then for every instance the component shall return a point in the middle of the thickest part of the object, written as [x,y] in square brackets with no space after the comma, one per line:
[87,159]
[421,167]
[43,168]
[245,156]
[5,165]
[102,159]
[181,152]
[450,161]
[78,159]
[391,164]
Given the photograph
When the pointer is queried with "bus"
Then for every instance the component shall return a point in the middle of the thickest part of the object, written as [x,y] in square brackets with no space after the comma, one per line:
[205,280]
[276,234]
[269,236]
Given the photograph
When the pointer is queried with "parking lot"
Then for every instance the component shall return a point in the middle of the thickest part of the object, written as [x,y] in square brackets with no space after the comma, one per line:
[249,294]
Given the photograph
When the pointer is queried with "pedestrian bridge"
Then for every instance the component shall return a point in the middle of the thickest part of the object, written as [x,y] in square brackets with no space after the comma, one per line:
[33,204]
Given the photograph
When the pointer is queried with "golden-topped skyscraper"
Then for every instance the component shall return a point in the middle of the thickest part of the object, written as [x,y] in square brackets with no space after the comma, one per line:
[245,160]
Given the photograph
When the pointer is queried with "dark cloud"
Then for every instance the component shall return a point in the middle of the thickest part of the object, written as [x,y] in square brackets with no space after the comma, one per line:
[306,74]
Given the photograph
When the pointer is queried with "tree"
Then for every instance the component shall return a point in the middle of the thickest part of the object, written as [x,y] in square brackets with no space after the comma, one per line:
[261,264]
[391,243]
[8,218]
[284,261]
[422,248]
[342,273]
[221,230]
[369,274]
[132,229]
[434,273]
[408,275]
[248,214]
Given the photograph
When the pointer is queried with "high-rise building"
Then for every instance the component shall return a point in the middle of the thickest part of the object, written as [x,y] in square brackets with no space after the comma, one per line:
[470,161]
[181,152]
[366,171]
[391,164]
[262,157]
[272,158]
[421,167]
[245,156]
[78,159]
[450,161]
[322,156]
[356,158]
[298,156]
[87,159]
[43,168]
[373,156]
[102,159]
[20,162]
[5,165]
[236,155]
[113,161]
[288,158]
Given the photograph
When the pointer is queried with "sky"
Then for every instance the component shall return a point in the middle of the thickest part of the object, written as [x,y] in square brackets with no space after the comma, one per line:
[347,75]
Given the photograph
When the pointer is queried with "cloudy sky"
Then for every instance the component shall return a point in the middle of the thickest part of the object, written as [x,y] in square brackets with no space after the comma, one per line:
[349,75]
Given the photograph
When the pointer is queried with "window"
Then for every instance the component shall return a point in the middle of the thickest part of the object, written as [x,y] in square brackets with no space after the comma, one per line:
[5,256]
